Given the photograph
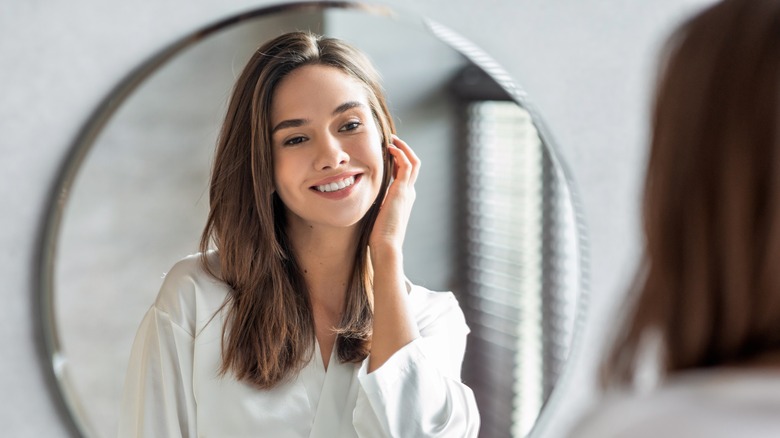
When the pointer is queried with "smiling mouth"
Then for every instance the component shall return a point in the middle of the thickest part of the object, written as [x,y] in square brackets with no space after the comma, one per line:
[336,186]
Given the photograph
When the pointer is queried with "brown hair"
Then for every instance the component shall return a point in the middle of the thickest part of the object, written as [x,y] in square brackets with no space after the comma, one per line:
[269,329]
[710,279]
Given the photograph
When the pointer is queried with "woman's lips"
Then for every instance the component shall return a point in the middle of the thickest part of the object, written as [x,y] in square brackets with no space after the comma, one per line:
[335,178]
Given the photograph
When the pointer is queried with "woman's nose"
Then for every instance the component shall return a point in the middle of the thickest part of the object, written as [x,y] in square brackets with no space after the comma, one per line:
[330,154]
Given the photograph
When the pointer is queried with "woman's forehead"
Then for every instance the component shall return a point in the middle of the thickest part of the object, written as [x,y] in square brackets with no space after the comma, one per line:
[316,88]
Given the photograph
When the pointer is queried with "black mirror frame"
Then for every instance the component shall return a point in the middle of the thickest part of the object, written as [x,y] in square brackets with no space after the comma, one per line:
[51,359]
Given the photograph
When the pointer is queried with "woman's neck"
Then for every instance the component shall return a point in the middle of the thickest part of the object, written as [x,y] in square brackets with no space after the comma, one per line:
[326,257]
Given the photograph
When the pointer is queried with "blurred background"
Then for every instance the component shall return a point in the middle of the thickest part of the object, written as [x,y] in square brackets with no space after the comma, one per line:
[586,65]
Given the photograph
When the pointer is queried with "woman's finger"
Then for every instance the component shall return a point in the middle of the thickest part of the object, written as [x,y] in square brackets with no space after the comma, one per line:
[406,148]
[403,167]
[413,159]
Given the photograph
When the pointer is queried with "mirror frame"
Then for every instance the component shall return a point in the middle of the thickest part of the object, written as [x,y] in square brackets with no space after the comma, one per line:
[54,361]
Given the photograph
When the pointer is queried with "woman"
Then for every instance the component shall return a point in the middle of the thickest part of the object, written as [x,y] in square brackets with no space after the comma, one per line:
[301,323]
[709,288]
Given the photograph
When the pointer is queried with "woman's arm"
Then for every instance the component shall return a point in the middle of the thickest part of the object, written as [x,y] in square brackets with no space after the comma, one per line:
[411,383]
[158,396]
[394,325]
[156,400]
[418,392]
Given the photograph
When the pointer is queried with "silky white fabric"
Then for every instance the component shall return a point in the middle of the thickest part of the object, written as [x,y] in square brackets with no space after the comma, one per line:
[173,389]
[717,403]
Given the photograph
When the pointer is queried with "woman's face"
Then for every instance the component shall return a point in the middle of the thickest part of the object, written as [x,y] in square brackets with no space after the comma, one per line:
[327,148]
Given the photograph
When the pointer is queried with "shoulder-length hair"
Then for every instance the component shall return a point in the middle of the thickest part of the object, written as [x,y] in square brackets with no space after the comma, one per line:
[709,284]
[269,329]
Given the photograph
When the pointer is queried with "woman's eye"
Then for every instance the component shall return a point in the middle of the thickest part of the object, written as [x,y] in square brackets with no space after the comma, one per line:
[294,141]
[351,126]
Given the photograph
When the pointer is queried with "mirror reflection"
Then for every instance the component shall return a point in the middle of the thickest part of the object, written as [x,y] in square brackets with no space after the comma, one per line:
[493,221]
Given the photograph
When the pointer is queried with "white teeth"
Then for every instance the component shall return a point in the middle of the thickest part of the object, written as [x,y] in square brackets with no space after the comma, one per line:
[332,187]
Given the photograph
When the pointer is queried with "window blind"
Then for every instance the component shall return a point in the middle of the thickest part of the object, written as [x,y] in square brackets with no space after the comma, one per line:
[510,271]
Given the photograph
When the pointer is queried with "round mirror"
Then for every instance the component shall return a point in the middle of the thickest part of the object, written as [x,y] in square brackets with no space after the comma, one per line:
[494,219]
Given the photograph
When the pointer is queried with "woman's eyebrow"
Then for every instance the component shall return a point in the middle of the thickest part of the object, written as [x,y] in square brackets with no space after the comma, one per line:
[346,106]
[292,123]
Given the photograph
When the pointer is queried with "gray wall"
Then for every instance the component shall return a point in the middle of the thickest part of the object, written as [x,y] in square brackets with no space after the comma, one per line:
[587,64]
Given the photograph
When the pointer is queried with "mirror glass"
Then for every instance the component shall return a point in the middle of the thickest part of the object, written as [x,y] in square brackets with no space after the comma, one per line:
[494,219]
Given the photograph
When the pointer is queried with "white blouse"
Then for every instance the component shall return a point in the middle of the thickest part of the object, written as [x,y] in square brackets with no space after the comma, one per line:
[173,389]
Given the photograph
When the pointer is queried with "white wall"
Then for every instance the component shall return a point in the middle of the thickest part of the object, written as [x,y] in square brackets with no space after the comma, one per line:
[586,64]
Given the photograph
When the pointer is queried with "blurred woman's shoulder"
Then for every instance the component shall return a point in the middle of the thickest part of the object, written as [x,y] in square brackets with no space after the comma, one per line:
[724,402]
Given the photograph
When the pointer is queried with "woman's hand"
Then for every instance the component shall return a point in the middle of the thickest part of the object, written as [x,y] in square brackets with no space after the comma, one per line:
[390,226]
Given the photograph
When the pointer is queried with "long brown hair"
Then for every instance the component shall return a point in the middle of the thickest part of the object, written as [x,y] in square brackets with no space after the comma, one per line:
[709,284]
[269,329]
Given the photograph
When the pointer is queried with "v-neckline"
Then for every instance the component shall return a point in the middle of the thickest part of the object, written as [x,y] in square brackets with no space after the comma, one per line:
[329,391]
[320,358]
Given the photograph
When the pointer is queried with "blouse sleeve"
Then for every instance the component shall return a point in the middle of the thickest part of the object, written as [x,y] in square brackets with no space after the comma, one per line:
[418,391]
[158,400]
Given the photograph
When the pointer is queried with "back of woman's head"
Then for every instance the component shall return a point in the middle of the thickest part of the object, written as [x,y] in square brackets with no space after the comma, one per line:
[710,283]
